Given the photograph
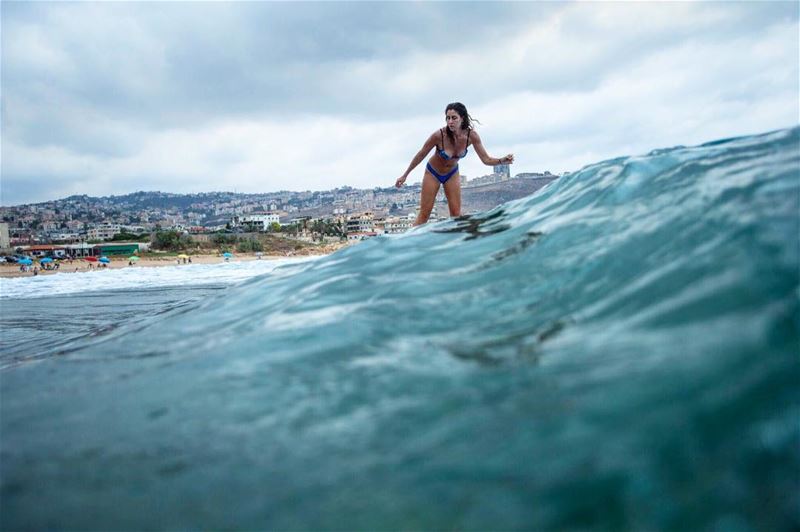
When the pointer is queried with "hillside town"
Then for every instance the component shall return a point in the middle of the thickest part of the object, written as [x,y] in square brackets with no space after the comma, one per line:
[343,213]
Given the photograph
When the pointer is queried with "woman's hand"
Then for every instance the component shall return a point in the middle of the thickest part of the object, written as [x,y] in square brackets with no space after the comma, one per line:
[508,159]
[400,181]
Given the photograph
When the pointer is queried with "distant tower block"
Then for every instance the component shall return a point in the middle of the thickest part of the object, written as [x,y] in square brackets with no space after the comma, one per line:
[503,170]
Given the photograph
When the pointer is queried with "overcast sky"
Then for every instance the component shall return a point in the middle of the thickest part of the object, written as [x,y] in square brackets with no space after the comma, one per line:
[110,98]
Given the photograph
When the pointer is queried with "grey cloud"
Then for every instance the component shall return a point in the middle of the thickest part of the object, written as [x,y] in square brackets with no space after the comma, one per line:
[185,64]
[175,63]
[99,78]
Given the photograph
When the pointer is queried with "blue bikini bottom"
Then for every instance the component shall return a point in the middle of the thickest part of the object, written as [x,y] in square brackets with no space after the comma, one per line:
[442,178]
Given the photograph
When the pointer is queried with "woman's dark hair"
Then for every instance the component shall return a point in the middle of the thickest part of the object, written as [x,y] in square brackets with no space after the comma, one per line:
[466,120]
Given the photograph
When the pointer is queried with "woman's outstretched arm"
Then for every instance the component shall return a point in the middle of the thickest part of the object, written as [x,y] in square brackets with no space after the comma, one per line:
[485,157]
[421,154]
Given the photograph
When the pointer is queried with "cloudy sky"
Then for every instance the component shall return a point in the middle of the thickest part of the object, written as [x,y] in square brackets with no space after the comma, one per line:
[105,98]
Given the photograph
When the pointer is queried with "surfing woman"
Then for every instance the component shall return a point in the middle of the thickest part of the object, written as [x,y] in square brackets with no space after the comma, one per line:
[451,143]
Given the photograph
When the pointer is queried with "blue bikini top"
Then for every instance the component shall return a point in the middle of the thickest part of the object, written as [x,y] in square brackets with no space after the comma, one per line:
[443,154]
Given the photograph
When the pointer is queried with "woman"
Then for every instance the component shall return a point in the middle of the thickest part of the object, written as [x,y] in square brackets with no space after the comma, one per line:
[451,143]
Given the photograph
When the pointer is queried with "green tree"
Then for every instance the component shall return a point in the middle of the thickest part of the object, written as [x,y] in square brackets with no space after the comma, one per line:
[334,228]
[171,241]
[247,246]
[291,229]
[122,237]
[223,239]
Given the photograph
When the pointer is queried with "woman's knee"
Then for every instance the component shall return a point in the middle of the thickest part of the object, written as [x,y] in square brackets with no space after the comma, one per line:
[454,203]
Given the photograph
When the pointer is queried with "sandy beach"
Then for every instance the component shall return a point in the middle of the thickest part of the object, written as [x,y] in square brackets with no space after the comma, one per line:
[153,260]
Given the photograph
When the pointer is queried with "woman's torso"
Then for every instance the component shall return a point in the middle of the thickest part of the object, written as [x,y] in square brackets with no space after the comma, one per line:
[448,153]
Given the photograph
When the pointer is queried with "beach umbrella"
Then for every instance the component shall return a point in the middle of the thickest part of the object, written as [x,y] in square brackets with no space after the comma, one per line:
[25,261]
[46,259]
[91,259]
[105,260]
[227,254]
[183,256]
[133,258]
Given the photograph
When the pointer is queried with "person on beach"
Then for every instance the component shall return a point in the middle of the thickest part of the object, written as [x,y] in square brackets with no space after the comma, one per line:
[451,143]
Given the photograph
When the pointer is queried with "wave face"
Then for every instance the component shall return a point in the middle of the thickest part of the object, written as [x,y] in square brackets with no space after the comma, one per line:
[619,350]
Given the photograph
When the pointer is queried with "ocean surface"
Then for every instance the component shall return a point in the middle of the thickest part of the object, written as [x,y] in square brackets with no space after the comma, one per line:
[619,350]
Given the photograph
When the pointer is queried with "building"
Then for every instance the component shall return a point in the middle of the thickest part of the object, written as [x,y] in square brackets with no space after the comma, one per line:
[74,225]
[256,221]
[134,229]
[535,175]
[5,238]
[64,237]
[483,180]
[361,235]
[360,223]
[503,170]
[103,231]
[80,250]
[397,225]
[123,248]
[46,251]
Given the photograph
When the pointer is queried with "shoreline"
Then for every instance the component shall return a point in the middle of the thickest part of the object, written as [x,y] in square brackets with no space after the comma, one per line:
[81,265]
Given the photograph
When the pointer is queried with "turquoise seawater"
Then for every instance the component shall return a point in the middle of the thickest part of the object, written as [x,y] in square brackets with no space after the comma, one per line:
[619,350]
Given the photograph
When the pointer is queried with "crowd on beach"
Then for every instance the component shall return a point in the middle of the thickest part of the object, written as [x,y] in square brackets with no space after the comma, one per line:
[74,265]
[35,269]
[49,267]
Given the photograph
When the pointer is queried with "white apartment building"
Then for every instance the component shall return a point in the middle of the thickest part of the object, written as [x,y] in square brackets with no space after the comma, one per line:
[360,223]
[394,226]
[65,237]
[74,225]
[134,229]
[103,232]
[256,221]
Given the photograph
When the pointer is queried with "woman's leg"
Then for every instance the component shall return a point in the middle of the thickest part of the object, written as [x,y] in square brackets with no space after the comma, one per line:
[430,187]
[452,190]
